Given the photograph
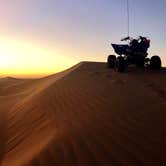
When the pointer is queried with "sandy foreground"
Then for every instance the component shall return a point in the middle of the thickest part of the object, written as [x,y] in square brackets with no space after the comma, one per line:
[87,115]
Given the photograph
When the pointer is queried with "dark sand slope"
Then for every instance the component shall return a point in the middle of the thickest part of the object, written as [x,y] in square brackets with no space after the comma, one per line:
[87,115]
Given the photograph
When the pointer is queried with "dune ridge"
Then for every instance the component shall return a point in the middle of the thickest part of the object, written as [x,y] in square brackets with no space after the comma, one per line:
[87,115]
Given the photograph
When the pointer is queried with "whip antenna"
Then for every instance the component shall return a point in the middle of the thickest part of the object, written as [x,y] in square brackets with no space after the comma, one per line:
[128,19]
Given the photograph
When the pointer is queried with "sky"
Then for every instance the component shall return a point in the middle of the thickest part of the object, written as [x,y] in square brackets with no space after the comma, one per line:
[42,37]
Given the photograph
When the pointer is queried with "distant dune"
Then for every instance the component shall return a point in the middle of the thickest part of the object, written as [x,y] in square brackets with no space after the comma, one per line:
[86,115]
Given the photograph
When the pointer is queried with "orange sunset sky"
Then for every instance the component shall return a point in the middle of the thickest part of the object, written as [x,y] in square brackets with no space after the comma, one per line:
[39,37]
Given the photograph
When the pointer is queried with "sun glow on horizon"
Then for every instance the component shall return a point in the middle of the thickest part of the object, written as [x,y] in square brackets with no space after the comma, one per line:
[22,58]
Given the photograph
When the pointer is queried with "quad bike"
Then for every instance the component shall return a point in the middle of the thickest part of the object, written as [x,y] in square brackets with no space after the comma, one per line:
[133,53]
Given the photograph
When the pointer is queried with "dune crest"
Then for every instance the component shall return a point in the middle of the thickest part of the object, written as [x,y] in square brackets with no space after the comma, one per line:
[87,115]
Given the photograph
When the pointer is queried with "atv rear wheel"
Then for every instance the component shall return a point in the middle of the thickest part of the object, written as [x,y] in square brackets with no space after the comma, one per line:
[111,61]
[155,62]
[120,64]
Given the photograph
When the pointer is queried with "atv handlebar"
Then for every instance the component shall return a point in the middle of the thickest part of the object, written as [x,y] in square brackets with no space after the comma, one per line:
[126,38]
[130,38]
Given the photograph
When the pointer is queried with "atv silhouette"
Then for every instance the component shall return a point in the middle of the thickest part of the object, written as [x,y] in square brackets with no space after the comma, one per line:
[133,53]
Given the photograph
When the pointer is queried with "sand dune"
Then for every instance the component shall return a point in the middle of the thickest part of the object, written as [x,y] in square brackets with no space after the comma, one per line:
[87,115]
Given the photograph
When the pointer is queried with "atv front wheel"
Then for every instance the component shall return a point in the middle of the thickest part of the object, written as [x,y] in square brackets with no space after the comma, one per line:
[111,61]
[155,62]
[120,64]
